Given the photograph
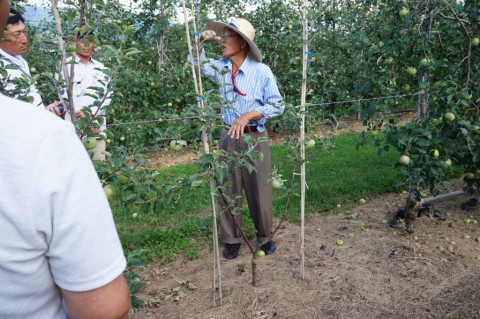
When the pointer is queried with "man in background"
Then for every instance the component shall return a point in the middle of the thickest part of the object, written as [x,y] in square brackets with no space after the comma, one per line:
[16,79]
[60,255]
[90,93]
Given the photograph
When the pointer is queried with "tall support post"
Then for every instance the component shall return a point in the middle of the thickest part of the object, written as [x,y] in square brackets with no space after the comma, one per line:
[302,140]
[199,94]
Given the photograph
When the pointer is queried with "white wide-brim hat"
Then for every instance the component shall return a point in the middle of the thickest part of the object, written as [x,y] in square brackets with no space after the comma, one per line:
[244,29]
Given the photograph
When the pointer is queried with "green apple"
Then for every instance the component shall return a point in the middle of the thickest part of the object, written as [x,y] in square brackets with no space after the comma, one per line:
[134,215]
[122,138]
[260,253]
[449,116]
[435,153]
[175,145]
[406,88]
[277,183]
[424,62]
[475,42]
[33,69]
[122,178]
[149,62]
[403,12]
[310,143]
[404,160]
[109,191]
[448,162]
[411,70]
[389,60]
[470,175]
[362,201]
[170,104]
[90,143]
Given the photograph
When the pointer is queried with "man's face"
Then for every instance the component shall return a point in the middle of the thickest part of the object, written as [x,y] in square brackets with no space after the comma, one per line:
[85,48]
[232,43]
[15,42]
[4,12]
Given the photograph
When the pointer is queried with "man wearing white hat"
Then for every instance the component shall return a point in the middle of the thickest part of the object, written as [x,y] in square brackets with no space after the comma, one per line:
[251,97]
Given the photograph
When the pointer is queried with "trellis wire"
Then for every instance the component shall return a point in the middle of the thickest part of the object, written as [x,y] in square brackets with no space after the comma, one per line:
[307,104]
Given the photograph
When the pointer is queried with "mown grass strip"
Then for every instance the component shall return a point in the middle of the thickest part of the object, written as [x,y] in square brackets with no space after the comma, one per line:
[342,175]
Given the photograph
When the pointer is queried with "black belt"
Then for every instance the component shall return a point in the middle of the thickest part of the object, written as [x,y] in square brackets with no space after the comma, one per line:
[248,129]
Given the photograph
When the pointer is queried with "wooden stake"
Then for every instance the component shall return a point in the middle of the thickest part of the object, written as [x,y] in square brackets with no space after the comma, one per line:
[302,141]
[199,94]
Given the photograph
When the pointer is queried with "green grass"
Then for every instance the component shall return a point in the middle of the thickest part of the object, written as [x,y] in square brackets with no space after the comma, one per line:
[342,175]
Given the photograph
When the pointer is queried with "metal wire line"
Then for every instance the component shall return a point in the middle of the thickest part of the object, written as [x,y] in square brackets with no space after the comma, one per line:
[308,104]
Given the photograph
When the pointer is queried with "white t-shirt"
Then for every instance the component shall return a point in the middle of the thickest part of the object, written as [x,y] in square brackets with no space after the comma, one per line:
[56,227]
[17,67]
[86,77]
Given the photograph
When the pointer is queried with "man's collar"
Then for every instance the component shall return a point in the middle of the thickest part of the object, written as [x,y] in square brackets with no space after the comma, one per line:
[246,64]
[92,60]
[17,59]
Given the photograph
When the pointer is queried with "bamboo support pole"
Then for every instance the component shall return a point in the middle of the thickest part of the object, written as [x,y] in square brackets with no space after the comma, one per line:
[199,93]
[302,141]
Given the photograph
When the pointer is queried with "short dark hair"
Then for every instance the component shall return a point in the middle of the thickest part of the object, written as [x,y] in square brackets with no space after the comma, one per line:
[15,17]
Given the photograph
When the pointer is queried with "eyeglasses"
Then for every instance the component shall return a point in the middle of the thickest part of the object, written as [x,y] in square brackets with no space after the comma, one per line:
[229,35]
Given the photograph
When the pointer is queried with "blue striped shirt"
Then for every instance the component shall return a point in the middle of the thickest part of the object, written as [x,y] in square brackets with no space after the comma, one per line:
[255,79]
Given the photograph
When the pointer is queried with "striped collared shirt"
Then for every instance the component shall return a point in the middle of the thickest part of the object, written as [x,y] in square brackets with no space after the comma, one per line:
[253,78]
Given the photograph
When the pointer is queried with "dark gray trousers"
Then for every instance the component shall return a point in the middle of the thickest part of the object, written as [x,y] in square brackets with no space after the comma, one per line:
[257,190]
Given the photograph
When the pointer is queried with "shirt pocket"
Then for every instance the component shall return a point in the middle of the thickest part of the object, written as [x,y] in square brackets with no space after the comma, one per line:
[79,84]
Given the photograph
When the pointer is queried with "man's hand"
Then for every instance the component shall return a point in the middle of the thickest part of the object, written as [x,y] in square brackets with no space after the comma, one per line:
[80,114]
[54,108]
[209,36]
[236,130]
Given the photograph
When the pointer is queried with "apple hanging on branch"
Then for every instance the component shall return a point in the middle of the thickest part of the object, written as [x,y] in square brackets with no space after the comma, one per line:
[449,116]
[404,160]
[411,70]
[310,143]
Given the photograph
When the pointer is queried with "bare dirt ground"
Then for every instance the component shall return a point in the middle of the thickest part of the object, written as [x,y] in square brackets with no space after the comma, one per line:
[379,271]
